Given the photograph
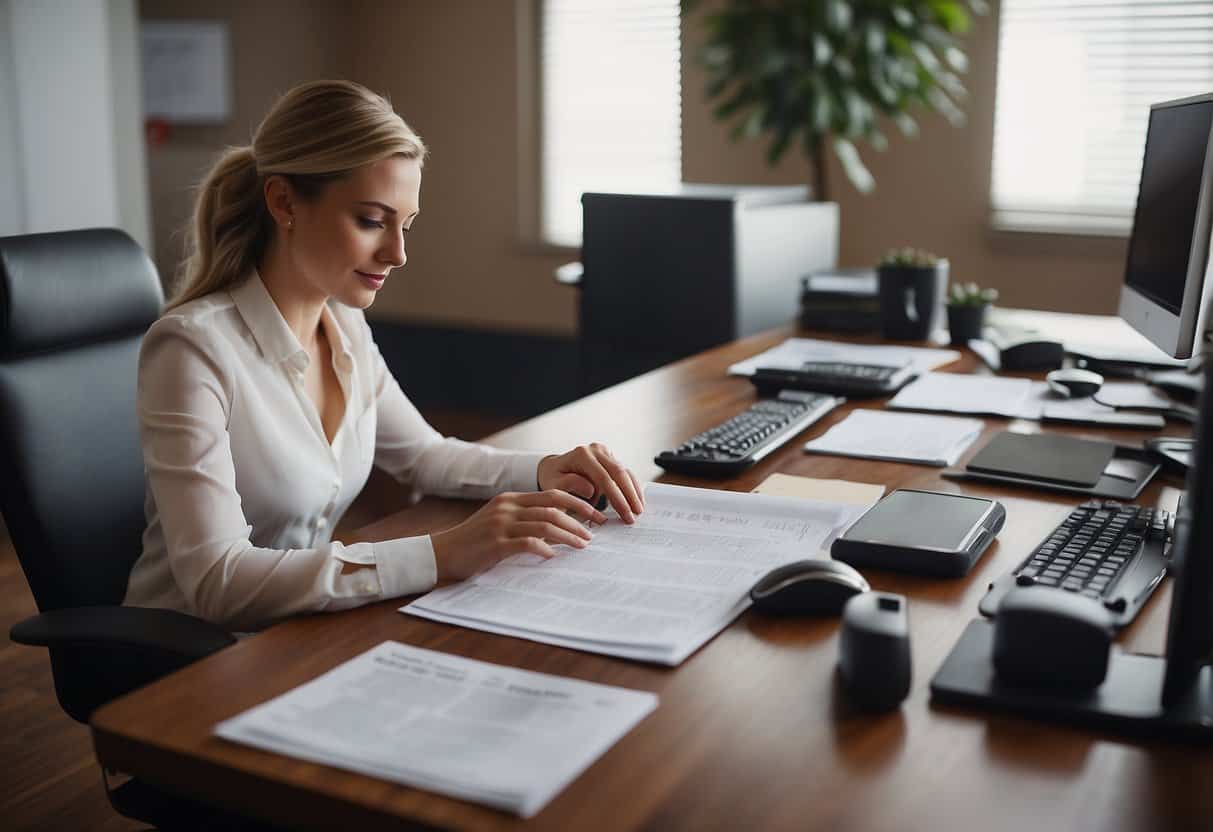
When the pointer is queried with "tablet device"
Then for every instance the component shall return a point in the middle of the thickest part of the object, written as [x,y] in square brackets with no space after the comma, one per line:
[922,532]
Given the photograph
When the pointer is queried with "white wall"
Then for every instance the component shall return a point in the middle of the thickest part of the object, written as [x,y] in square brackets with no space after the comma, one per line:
[12,187]
[72,94]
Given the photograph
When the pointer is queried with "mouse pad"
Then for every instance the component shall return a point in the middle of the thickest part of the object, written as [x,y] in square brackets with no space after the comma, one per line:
[1044,456]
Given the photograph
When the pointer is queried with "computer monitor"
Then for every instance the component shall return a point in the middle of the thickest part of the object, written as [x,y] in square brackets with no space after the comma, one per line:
[1166,296]
[1190,628]
[1168,259]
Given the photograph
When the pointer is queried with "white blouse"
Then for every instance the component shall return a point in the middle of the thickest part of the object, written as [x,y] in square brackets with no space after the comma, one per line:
[243,487]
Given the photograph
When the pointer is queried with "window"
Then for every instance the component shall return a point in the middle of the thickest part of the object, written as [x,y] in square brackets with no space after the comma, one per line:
[610,80]
[1076,79]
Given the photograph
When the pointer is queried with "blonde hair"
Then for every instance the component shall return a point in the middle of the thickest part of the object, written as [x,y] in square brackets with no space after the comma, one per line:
[318,132]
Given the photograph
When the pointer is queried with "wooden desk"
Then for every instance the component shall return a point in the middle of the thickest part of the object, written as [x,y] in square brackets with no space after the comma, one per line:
[751,732]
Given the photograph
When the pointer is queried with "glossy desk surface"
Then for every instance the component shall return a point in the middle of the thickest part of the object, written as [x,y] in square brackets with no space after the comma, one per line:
[751,731]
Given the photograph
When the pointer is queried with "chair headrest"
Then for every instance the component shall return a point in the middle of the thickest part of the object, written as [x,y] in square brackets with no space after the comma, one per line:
[68,288]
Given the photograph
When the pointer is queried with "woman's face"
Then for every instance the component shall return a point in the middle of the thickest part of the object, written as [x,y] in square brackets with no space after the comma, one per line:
[345,242]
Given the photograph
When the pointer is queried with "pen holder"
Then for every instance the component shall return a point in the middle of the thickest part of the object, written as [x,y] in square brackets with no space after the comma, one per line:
[911,300]
[966,322]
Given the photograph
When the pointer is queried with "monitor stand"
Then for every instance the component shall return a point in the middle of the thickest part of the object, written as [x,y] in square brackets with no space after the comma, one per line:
[1128,701]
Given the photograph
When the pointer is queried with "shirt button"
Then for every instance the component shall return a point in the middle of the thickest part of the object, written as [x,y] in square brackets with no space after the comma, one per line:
[321,522]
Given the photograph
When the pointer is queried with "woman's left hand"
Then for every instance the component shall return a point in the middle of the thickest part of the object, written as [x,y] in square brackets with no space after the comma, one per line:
[590,471]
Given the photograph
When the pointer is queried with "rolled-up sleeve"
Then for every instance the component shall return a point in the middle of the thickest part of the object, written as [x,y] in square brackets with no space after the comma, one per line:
[183,406]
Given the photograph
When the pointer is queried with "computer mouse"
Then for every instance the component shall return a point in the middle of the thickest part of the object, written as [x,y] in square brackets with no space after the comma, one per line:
[807,587]
[1072,383]
[1045,637]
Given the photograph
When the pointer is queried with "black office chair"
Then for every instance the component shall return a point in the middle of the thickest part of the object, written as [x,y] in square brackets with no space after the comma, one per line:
[73,309]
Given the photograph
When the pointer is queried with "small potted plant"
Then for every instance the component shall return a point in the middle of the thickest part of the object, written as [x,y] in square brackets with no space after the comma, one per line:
[967,305]
[912,284]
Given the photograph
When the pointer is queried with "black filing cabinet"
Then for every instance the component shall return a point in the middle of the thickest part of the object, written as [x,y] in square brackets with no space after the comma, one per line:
[669,274]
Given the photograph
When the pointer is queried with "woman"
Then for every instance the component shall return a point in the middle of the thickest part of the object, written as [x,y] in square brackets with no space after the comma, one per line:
[263,400]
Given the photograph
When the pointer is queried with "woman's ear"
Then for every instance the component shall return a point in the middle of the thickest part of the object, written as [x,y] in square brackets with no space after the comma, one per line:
[280,201]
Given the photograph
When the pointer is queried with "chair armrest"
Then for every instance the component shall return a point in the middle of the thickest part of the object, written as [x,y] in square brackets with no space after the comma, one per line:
[145,628]
[101,653]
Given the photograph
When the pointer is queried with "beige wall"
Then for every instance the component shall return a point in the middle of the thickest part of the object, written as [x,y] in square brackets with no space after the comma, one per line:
[451,69]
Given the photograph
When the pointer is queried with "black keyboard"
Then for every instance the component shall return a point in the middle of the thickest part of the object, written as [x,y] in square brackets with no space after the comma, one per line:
[843,378]
[1108,551]
[732,446]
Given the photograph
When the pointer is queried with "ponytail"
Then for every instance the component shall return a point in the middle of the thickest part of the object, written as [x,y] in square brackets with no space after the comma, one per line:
[230,230]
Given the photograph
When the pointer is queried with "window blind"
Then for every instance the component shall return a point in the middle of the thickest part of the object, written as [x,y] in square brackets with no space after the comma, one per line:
[1076,79]
[611,104]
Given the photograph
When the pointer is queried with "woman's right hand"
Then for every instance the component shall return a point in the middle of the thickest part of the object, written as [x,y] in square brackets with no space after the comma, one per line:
[512,523]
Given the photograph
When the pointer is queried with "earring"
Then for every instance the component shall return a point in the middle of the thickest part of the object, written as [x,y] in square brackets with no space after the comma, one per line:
[290,224]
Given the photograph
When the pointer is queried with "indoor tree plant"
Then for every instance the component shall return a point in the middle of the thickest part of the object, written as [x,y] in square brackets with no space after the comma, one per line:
[824,73]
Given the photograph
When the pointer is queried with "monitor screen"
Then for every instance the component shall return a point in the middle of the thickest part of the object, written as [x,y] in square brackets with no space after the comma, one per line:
[1165,219]
[1163,292]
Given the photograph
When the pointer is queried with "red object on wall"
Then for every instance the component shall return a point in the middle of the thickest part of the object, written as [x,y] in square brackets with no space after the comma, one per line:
[158,131]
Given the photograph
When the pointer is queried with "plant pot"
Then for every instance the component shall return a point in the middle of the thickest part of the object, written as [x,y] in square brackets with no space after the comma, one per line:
[965,322]
[911,300]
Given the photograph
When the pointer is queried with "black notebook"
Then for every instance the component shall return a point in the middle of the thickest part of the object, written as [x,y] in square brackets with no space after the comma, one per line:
[1044,456]
[1061,463]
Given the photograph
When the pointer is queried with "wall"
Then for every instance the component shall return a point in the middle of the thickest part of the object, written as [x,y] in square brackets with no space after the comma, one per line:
[451,69]
[932,192]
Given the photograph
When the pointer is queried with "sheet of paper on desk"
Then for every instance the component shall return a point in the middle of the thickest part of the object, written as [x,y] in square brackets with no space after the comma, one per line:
[655,590]
[796,351]
[899,437]
[963,393]
[510,739]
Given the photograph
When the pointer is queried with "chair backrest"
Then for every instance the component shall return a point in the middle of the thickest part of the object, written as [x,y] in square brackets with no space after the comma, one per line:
[73,309]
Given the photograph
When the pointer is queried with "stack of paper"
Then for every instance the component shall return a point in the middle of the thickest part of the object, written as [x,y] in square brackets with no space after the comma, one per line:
[507,738]
[900,437]
[1021,398]
[794,352]
[655,590]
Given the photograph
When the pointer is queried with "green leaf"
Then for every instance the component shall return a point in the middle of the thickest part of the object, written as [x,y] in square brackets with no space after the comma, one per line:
[939,100]
[926,57]
[874,38]
[902,16]
[822,50]
[780,145]
[853,166]
[838,15]
[740,98]
[956,59]
[906,123]
[952,15]
[878,140]
[822,112]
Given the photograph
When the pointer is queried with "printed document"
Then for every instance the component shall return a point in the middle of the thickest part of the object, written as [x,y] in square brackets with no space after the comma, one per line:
[655,590]
[899,437]
[507,738]
[794,352]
